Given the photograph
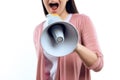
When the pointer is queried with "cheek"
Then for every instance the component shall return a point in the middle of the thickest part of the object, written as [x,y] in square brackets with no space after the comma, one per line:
[45,3]
[63,6]
[64,3]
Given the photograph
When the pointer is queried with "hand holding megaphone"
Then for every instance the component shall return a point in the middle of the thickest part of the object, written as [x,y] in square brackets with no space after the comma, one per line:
[58,38]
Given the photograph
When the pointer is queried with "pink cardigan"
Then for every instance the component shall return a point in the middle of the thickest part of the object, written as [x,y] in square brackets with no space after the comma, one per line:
[71,67]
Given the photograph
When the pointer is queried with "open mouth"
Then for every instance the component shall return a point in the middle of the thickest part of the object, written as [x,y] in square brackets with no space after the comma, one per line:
[54,6]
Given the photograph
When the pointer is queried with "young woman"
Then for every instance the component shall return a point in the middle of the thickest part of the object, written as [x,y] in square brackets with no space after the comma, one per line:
[87,54]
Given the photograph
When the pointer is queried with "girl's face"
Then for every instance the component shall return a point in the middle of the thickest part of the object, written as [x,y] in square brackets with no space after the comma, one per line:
[55,6]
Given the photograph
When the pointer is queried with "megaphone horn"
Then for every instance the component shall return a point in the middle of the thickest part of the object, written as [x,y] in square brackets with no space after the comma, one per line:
[59,39]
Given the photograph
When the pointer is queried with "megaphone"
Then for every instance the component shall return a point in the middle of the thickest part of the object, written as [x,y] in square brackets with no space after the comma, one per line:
[59,38]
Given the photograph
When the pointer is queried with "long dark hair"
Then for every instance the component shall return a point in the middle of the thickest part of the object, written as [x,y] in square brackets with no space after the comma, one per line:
[70,7]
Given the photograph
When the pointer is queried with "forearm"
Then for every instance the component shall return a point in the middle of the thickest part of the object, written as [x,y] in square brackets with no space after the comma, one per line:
[88,57]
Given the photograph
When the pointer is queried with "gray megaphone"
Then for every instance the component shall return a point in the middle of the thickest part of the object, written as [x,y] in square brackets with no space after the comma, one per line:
[59,38]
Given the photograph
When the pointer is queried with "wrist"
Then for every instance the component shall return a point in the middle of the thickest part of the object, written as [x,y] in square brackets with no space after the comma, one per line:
[78,47]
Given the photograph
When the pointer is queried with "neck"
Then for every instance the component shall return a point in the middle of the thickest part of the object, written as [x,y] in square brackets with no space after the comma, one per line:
[64,15]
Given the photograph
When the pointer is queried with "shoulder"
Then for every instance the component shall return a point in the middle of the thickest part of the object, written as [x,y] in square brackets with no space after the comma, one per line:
[37,31]
[38,28]
[79,19]
[80,16]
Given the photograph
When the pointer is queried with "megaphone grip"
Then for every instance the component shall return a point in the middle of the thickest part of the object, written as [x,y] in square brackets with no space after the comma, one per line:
[57,33]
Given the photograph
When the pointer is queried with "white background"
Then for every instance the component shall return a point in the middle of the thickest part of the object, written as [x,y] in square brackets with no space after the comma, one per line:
[18,19]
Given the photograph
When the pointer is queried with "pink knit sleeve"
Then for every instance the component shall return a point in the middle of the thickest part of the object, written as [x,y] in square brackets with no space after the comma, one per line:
[36,38]
[89,39]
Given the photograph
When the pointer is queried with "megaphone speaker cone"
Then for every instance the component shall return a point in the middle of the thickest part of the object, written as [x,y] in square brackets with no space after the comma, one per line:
[68,35]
